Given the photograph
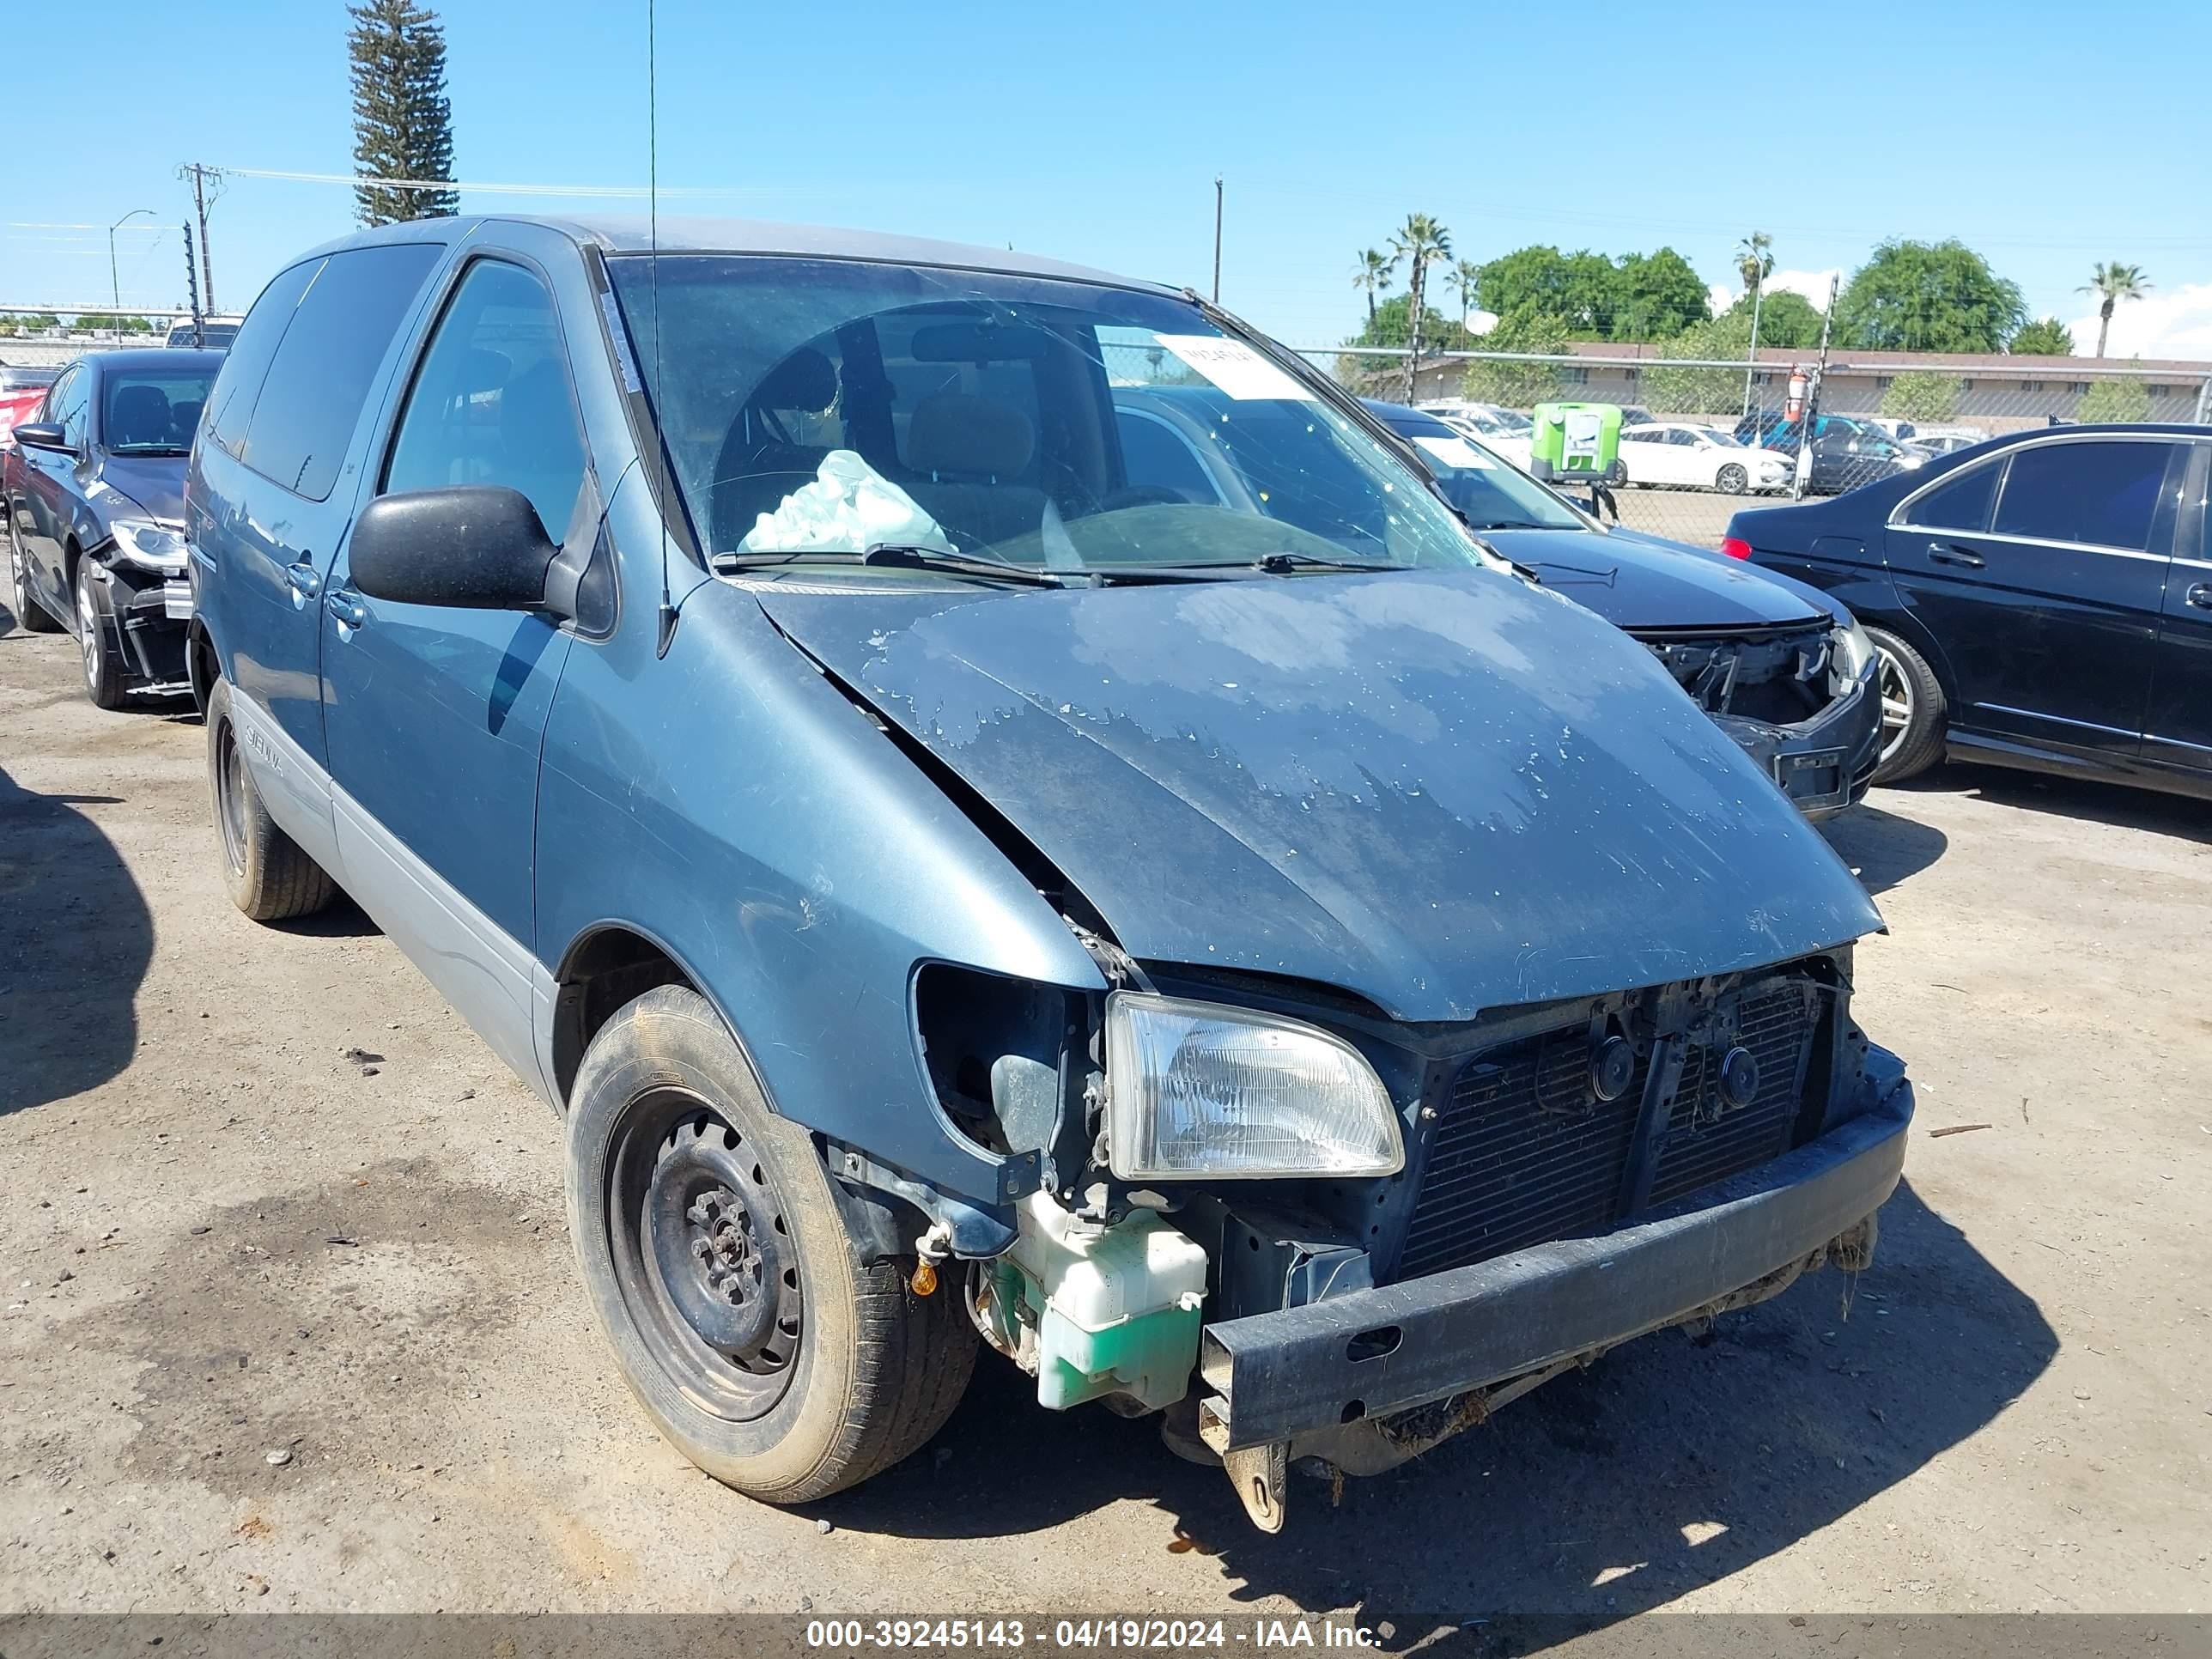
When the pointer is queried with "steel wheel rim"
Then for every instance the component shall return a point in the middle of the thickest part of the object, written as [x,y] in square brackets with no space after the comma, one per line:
[703,1255]
[1894,687]
[230,798]
[87,629]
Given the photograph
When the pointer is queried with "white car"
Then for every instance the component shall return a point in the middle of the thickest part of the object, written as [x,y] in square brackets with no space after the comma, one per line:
[1506,433]
[1686,456]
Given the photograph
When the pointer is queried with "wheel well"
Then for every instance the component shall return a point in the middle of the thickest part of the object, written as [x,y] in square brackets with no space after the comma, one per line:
[201,667]
[603,972]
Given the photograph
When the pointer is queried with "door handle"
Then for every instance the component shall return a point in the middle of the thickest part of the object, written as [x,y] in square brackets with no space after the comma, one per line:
[2199,596]
[346,606]
[302,579]
[1945,553]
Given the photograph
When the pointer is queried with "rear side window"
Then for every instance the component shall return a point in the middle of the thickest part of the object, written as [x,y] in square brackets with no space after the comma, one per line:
[2105,494]
[230,405]
[1961,503]
[311,399]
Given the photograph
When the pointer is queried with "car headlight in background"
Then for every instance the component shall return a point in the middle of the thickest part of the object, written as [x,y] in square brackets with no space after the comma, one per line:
[155,546]
[1202,1089]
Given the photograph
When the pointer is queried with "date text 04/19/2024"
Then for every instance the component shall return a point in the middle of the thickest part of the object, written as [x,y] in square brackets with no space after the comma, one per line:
[1111,1634]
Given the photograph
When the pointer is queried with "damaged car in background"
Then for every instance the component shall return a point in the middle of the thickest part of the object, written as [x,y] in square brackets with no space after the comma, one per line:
[1780,666]
[966,879]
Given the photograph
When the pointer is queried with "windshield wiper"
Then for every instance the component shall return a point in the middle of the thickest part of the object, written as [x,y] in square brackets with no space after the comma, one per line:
[1514,523]
[891,553]
[148,449]
[1285,564]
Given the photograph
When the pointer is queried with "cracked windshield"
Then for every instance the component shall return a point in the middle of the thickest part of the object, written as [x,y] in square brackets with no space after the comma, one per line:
[844,411]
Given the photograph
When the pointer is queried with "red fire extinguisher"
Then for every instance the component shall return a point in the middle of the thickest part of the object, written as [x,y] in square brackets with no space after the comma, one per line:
[1793,406]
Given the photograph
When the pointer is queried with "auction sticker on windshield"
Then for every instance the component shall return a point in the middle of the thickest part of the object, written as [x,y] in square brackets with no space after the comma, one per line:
[1235,367]
[1454,453]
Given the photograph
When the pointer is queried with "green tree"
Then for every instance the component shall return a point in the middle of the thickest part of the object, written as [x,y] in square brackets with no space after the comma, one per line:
[1754,262]
[1464,278]
[1787,320]
[1372,273]
[1725,339]
[403,122]
[2046,337]
[1922,395]
[1518,386]
[1420,242]
[1655,296]
[1928,296]
[2115,400]
[1391,326]
[1575,288]
[2112,283]
[108,322]
[38,322]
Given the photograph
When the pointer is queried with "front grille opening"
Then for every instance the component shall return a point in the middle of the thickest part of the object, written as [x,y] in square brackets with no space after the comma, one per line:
[1523,1152]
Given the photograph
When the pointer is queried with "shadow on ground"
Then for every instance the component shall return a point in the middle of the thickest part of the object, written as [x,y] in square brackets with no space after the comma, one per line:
[2118,805]
[75,939]
[1884,850]
[1666,1467]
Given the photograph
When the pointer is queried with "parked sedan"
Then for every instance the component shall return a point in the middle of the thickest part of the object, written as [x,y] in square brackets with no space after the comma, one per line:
[1782,668]
[1847,451]
[1684,456]
[94,493]
[2043,600]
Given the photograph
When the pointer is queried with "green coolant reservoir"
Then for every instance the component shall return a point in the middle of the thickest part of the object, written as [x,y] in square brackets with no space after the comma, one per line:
[1574,441]
[1115,1309]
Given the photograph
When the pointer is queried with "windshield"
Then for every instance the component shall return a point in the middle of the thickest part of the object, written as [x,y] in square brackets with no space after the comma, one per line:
[1725,440]
[833,406]
[152,411]
[1489,493]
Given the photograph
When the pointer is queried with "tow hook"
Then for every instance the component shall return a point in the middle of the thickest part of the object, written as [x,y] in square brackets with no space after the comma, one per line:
[1259,1474]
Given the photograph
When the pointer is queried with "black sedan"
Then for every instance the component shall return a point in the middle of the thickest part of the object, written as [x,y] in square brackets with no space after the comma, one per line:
[94,496]
[1781,667]
[1847,452]
[2043,600]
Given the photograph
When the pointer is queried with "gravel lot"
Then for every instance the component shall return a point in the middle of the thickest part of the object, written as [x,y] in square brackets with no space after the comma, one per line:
[291,1322]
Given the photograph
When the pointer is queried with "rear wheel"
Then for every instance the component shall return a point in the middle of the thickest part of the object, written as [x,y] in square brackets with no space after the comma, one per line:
[30,615]
[1912,709]
[1731,479]
[102,661]
[267,875]
[720,1270]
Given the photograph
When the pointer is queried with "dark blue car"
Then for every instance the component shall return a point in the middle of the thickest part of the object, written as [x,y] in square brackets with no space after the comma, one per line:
[2043,600]
[1780,666]
[1259,959]
[93,490]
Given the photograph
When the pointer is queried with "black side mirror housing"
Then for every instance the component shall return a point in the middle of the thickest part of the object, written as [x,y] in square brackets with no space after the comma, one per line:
[477,546]
[43,435]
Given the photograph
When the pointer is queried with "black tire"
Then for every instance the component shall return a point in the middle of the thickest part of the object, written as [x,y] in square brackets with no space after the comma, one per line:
[1912,736]
[841,1370]
[30,615]
[267,875]
[1731,479]
[98,656]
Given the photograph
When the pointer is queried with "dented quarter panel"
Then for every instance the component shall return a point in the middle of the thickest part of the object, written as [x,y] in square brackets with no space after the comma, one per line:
[1444,791]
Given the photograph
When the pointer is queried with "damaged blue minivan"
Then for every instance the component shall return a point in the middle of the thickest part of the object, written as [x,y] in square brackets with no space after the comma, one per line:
[1253,959]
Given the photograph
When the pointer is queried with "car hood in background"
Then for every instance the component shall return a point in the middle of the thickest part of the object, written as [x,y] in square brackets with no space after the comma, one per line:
[152,484]
[1638,582]
[1444,792]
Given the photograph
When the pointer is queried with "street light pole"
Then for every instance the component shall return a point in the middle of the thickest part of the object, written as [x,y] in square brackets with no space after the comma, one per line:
[114,283]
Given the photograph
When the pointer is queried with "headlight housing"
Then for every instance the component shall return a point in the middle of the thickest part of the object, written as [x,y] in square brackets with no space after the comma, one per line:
[144,541]
[1201,1089]
[1852,651]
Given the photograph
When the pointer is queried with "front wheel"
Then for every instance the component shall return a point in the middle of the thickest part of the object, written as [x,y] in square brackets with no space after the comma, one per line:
[722,1272]
[1912,709]
[103,662]
[1731,479]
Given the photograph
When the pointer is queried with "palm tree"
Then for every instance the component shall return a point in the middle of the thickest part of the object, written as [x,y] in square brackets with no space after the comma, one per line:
[1465,278]
[1420,242]
[2113,282]
[1754,262]
[1372,273]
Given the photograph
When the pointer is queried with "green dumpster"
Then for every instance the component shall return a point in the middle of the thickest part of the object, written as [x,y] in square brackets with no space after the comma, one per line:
[1574,443]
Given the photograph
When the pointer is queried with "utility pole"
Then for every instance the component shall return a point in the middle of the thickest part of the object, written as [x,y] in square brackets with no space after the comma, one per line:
[114,284]
[1217,239]
[1757,294]
[192,289]
[1812,399]
[201,176]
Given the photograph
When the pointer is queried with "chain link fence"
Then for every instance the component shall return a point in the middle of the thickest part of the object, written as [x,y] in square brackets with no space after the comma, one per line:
[1702,438]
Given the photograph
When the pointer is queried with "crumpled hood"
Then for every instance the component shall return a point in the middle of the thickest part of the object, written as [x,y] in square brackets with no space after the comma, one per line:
[1635,581]
[1443,791]
[153,485]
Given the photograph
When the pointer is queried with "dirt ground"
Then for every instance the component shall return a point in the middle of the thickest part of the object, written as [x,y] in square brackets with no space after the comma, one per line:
[286,1330]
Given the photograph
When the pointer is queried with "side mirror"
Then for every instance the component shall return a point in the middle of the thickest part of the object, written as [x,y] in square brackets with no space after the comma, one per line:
[475,546]
[43,435]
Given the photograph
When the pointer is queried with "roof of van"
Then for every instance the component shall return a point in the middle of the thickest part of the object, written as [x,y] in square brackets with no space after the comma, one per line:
[633,234]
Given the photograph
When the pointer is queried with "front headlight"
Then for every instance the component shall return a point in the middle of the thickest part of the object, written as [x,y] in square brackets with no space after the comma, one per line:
[156,546]
[1853,650]
[1201,1089]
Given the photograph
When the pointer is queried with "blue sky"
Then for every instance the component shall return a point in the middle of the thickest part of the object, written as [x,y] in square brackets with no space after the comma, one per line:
[1094,133]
